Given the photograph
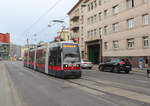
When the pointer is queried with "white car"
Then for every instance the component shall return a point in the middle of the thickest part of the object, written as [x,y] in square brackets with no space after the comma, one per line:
[86,64]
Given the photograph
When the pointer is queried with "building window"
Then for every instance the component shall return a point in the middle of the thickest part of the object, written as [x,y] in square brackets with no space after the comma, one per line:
[100,2]
[92,20]
[92,33]
[95,18]
[82,41]
[88,20]
[130,3]
[146,1]
[105,13]
[100,16]
[130,23]
[91,5]
[88,33]
[115,10]
[95,3]
[145,41]
[95,32]
[105,45]
[82,19]
[88,7]
[115,27]
[145,19]
[105,30]
[130,43]
[100,31]
[115,44]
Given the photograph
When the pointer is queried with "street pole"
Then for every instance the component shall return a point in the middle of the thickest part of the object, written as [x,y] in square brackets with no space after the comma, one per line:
[63,27]
[101,50]
[28,50]
[27,42]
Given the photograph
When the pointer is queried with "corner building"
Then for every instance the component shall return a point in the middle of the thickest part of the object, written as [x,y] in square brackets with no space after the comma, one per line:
[4,45]
[123,26]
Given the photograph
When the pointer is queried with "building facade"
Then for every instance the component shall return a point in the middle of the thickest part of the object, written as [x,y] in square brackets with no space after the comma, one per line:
[15,51]
[64,34]
[4,45]
[122,25]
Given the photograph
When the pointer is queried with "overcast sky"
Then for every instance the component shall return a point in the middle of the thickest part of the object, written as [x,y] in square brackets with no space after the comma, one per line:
[16,16]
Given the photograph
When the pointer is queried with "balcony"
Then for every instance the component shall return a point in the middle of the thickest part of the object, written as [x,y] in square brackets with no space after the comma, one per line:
[75,16]
[92,38]
[74,26]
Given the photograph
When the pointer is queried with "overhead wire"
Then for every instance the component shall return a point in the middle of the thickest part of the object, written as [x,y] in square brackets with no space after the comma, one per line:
[44,14]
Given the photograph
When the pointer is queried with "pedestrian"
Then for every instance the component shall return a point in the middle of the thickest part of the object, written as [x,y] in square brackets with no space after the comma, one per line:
[148,72]
[146,63]
[141,63]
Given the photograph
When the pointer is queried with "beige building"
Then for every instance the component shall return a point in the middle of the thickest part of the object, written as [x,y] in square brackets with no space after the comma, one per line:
[123,26]
[65,34]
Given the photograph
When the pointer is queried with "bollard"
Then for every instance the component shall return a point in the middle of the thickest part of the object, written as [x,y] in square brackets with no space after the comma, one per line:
[148,73]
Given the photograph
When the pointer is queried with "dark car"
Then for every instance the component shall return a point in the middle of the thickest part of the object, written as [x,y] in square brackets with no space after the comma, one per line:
[116,65]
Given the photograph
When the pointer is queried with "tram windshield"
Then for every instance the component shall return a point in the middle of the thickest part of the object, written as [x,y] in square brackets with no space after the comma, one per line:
[71,53]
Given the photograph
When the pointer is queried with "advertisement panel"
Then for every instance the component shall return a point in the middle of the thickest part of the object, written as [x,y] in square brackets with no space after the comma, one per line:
[4,38]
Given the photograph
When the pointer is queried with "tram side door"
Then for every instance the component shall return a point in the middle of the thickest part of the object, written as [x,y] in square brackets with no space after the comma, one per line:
[52,61]
[55,60]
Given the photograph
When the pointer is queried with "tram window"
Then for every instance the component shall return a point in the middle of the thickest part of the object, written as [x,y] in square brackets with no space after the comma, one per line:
[58,56]
[55,56]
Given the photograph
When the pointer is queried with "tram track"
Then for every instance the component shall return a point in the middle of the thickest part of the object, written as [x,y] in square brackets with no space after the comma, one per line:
[108,89]
[90,85]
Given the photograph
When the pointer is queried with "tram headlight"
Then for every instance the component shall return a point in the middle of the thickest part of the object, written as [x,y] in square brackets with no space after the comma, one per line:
[78,65]
[65,65]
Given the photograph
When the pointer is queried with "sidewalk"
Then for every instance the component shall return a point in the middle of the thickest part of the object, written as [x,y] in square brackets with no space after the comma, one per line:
[8,94]
[95,67]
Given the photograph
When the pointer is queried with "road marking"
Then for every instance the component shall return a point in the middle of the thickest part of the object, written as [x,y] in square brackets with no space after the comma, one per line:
[118,84]
[115,91]
[93,92]
[147,82]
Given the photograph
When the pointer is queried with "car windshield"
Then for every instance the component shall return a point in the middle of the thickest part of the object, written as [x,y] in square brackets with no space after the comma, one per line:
[71,57]
[71,53]
[115,60]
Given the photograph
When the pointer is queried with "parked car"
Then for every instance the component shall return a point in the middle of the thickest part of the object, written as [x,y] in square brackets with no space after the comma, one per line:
[20,59]
[86,64]
[116,65]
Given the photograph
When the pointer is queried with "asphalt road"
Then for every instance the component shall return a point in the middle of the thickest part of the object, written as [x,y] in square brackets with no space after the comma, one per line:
[93,89]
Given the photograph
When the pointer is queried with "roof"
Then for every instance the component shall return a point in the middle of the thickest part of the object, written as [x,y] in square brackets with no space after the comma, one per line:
[75,6]
[4,34]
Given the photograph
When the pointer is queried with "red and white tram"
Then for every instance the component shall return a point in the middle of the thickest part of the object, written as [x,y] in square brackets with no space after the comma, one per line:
[59,59]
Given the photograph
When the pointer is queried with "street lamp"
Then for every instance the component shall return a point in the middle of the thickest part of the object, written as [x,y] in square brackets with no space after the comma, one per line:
[59,21]
[101,48]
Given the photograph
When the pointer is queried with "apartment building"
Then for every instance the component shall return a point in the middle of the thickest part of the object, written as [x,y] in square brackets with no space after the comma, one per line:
[122,26]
